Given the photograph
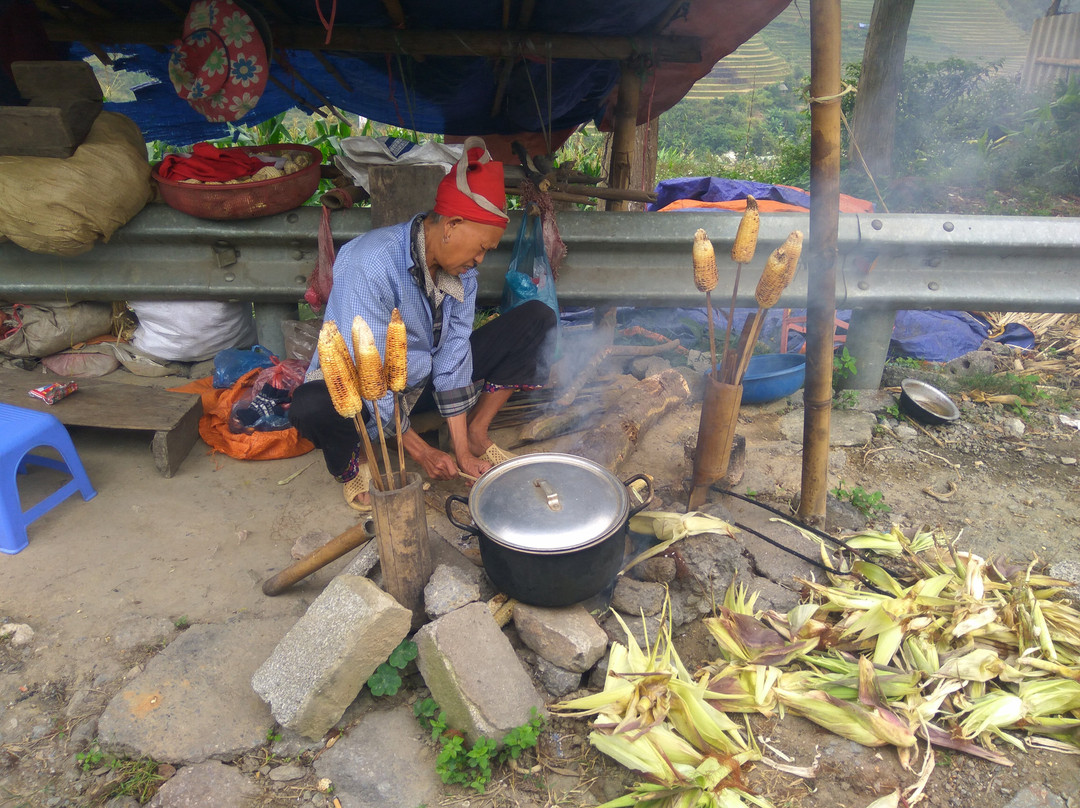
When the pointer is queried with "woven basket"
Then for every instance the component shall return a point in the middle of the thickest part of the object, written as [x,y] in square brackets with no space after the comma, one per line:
[246,200]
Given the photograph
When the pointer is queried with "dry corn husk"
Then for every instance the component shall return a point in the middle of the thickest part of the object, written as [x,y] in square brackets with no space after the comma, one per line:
[368,362]
[742,251]
[339,372]
[397,359]
[780,268]
[705,276]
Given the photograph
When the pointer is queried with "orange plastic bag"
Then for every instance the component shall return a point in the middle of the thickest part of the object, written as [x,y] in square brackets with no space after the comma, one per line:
[214,424]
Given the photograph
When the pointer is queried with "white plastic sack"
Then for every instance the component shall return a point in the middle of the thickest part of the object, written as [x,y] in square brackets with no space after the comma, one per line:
[191,330]
[360,153]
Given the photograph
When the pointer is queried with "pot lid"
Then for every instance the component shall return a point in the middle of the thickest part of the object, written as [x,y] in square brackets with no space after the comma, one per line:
[548,503]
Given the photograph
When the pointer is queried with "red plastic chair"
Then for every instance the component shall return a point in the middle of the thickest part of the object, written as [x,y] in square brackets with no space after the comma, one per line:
[789,323]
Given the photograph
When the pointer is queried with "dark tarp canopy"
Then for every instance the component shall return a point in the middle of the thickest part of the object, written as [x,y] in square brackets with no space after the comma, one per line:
[530,70]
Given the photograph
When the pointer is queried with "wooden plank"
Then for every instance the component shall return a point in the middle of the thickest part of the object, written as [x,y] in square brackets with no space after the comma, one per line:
[173,417]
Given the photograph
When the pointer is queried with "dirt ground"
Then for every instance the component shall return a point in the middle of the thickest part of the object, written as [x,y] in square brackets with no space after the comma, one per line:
[105,584]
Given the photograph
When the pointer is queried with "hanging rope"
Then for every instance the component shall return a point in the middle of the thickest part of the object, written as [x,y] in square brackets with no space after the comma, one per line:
[327,24]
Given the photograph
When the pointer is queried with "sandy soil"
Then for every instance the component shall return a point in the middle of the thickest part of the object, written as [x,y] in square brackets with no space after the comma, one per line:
[104,583]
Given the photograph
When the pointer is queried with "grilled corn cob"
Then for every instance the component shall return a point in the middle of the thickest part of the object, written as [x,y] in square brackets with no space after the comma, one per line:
[742,251]
[397,369]
[779,270]
[339,372]
[705,277]
[368,363]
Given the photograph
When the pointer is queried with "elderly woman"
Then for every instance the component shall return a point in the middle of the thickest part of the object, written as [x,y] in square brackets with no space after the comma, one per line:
[427,268]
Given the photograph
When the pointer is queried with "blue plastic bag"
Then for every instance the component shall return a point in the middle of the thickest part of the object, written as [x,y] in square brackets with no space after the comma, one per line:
[232,363]
[529,276]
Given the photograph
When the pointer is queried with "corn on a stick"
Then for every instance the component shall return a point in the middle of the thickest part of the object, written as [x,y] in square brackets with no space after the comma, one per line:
[343,382]
[705,279]
[397,376]
[742,252]
[779,270]
[372,381]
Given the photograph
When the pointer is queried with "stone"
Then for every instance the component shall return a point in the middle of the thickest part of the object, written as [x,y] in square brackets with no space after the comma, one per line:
[321,664]
[1014,428]
[1035,797]
[556,681]
[568,636]
[18,634]
[309,543]
[905,433]
[208,785]
[660,569]
[449,588]
[138,632]
[192,701]
[382,762]
[643,366]
[973,363]
[637,597]
[474,675]
[287,773]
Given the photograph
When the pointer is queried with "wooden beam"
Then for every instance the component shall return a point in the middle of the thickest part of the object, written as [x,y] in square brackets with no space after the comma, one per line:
[495,44]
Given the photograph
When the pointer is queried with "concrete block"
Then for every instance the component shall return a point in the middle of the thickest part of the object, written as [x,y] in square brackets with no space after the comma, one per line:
[473,673]
[321,664]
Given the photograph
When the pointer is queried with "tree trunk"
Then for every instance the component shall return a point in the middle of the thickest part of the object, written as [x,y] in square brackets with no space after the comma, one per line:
[879,86]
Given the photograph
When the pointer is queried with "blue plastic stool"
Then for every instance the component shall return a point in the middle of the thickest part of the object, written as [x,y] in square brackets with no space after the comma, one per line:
[20,431]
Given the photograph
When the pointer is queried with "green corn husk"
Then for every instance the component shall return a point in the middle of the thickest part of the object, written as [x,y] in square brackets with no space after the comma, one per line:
[1045,697]
[995,710]
[852,721]
[742,689]
[978,665]
[743,638]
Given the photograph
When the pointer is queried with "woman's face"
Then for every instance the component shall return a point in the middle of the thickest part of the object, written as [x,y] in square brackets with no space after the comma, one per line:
[464,244]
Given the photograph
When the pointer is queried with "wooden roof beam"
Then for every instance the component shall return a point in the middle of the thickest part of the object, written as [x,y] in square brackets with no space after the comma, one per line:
[494,44]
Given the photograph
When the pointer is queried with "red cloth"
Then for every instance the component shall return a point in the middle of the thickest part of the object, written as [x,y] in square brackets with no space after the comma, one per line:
[484,179]
[208,163]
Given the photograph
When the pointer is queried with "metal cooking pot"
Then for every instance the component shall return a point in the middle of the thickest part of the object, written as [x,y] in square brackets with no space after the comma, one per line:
[552,527]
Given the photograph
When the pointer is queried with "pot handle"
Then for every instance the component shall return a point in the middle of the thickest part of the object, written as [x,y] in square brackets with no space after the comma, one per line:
[648,484]
[450,500]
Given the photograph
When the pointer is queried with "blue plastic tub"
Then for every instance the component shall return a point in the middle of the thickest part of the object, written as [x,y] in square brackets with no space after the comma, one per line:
[772,376]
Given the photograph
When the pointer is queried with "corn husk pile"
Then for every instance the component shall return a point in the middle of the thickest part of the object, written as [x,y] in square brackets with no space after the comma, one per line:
[944,647]
[1057,342]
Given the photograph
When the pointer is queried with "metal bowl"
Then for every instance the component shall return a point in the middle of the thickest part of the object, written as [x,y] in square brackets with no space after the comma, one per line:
[926,403]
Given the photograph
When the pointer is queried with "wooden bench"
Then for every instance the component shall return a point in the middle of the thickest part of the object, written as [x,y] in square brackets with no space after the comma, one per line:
[172,417]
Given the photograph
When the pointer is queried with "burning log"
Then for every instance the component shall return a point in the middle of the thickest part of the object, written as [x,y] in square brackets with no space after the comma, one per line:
[637,409]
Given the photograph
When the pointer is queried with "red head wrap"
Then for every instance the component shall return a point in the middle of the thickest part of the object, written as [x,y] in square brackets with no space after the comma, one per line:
[474,188]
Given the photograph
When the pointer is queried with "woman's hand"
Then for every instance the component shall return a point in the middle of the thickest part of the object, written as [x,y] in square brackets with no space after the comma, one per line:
[437,465]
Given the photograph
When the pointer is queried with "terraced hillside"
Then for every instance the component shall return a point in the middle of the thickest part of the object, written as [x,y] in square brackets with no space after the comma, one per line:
[976,30]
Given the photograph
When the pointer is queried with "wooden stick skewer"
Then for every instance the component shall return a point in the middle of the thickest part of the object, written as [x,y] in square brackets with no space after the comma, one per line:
[712,335]
[731,315]
[382,443]
[373,464]
[400,438]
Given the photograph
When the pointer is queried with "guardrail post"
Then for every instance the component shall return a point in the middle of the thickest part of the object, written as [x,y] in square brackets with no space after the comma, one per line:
[868,337]
[268,317]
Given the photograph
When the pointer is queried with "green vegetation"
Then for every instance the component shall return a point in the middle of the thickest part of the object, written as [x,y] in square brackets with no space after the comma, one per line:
[845,399]
[386,681]
[843,366]
[472,766]
[128,778]
[869,504]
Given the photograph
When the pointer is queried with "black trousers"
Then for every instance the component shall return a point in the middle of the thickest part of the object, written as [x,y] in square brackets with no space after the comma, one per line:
[514,349]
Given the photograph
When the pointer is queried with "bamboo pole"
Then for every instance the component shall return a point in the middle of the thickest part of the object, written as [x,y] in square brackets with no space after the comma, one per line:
[625,126]
[824,221]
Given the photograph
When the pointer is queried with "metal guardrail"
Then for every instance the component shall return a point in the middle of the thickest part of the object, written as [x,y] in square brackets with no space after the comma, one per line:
[895,261]
[886,262]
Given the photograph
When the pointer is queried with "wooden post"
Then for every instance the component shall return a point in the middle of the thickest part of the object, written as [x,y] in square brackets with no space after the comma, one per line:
[824,221]
[404,551]
[622,142]
[400,192]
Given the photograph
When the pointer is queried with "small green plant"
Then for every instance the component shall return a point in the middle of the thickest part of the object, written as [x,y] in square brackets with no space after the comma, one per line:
[131,778]
[386,681]
[906,362]
[472,766]
[868,503]
[845,399]
[182,622]
[843,366]
[893,410]
[91,758]
[751,493]
[273,735]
